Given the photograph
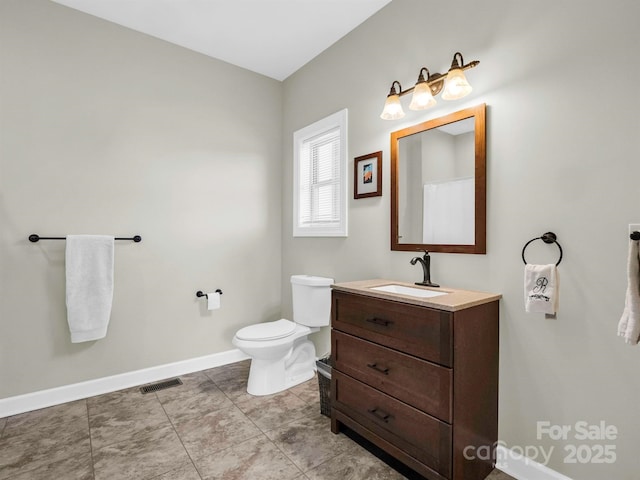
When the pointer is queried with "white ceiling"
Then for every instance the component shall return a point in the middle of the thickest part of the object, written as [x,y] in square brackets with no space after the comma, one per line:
[271,37]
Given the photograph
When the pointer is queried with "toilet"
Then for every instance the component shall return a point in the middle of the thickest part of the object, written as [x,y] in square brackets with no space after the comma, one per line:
[281,355]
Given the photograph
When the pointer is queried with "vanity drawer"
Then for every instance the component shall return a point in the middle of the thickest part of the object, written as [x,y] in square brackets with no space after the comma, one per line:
[419,331]
[421,436]
[419,383]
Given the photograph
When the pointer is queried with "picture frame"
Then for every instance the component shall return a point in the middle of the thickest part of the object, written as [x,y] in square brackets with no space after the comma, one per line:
[367,175]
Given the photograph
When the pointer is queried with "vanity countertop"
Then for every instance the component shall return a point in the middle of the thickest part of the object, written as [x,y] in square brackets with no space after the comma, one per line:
[455,299]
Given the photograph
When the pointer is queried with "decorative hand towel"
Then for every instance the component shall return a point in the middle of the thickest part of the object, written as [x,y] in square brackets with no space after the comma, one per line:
[629,325]
[541,288]
[89,272]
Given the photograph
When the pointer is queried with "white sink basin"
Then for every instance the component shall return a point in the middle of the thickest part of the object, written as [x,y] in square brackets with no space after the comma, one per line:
[411,291]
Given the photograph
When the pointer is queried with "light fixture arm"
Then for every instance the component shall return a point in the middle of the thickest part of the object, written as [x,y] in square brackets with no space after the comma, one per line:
[454,62]
[421,76]
[461,65]
[392,90]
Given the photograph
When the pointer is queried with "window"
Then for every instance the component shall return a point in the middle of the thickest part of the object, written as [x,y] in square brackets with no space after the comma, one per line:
[320,178]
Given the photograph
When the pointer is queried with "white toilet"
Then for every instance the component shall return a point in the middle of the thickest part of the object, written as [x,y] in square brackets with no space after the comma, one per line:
[281,355]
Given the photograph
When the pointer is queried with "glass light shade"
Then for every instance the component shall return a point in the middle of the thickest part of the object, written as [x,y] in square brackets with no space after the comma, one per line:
[422,97]
[392,108]
[455,85]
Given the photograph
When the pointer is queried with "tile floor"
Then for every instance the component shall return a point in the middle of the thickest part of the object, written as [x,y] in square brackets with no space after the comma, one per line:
[208,428]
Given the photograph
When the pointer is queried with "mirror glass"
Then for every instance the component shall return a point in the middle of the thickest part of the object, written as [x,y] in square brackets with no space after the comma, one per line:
[438,187]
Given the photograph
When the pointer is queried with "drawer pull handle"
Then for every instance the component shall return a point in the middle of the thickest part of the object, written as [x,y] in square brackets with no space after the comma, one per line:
[379,414]
[379,321]
[377,368]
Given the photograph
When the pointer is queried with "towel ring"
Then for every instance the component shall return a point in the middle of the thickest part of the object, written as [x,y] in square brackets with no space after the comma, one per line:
[548,238]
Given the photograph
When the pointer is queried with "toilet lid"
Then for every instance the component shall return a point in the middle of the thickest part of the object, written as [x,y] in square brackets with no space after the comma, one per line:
[267,330]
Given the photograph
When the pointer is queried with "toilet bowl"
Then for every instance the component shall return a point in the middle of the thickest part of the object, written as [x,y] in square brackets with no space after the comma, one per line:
[281,355]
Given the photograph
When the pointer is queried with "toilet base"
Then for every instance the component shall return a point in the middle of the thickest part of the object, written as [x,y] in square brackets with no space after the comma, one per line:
[269,376]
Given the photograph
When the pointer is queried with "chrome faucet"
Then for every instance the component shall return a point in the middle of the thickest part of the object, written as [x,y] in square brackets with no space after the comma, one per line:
[425,261]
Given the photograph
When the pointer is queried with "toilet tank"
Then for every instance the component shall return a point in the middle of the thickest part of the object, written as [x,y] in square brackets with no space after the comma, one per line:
[311,300]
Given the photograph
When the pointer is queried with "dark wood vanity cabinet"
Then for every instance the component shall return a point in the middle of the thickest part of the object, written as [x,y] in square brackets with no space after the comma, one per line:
[418,382]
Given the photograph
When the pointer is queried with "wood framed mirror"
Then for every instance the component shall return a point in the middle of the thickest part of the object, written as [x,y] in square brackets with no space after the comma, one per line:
[438,184]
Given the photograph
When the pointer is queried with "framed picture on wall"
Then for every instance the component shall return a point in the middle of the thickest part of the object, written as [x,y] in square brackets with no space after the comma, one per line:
[367,175]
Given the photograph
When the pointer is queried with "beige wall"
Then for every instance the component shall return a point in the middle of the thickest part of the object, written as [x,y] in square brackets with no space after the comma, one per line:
[559,79]
[103,130]
[108,131]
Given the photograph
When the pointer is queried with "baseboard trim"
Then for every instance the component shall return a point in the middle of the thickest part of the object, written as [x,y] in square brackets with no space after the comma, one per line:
[68,393]
[523,468]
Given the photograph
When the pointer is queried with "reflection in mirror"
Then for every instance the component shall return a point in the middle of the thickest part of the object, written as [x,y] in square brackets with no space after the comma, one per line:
[438,184]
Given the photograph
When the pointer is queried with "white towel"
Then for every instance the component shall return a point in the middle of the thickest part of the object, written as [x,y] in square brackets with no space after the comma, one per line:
[541,288]
[629,325]
[89,271]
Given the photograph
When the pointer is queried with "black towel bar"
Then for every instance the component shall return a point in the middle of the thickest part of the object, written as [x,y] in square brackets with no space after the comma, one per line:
[548,238]
[34,237]
[635,235]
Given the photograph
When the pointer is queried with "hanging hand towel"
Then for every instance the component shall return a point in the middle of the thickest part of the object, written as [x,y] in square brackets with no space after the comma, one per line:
[89,272]
[541,288]
[629,325]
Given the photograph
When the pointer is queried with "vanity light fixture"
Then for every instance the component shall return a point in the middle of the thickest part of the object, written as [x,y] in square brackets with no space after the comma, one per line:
[453,86]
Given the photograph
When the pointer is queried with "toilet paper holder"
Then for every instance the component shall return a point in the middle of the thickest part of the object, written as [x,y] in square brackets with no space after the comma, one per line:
[200,293]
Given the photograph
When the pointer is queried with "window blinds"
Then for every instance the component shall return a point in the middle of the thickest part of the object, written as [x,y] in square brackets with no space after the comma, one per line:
[320,178]
[319,181]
